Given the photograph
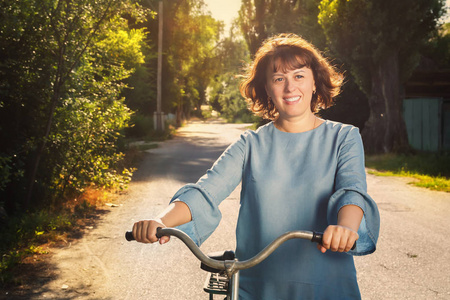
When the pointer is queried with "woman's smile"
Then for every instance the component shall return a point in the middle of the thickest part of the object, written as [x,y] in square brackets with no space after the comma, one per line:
[292,100]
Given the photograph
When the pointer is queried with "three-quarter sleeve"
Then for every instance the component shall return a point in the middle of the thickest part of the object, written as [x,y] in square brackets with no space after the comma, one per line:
[351,189]
[203,198]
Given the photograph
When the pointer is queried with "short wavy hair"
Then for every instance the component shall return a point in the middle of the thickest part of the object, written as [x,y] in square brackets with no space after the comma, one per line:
[288,52]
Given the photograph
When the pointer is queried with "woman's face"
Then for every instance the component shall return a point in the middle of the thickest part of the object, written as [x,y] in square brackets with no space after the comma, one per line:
[291,91]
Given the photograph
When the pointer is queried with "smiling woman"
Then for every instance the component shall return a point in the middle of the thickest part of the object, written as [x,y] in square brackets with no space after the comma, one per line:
[297,172]
[289,81]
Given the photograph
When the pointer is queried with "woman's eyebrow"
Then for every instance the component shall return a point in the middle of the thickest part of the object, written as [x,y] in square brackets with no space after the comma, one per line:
[281,73]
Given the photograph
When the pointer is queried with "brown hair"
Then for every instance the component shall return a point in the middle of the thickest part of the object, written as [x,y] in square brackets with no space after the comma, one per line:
[287,52]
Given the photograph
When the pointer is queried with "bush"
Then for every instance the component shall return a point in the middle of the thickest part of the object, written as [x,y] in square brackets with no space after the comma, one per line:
[141,126]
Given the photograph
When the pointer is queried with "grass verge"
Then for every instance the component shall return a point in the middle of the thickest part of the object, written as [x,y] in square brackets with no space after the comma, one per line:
[431,171]
[33,234]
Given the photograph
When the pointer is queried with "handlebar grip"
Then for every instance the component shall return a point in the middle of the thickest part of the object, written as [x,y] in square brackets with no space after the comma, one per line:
[318,236]
[129,236]
[158,232]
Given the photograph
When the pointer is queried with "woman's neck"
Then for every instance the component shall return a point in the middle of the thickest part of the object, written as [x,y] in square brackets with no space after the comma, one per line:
[297,125]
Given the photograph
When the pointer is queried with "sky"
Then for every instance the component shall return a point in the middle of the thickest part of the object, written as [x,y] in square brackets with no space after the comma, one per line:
[227,10]
[224,10]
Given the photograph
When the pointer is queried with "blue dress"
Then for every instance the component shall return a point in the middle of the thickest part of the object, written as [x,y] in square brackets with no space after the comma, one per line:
[290,181]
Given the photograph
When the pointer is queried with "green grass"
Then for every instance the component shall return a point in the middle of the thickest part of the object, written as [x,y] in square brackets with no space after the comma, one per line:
[146,146]
[431,171]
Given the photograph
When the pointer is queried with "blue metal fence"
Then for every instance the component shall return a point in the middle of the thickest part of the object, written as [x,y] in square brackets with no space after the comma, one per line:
[427,123]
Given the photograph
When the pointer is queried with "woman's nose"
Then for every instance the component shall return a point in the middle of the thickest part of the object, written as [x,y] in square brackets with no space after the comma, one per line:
[289,85]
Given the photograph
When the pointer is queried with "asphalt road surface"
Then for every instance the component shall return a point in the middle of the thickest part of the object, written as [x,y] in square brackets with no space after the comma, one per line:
[412,260]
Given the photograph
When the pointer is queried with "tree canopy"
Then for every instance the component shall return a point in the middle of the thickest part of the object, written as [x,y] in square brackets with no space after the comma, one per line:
[62,71]
[380,41]
[260,19]
[376,44]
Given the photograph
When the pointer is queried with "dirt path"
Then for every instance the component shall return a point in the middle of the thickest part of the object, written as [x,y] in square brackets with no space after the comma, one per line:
[412,260]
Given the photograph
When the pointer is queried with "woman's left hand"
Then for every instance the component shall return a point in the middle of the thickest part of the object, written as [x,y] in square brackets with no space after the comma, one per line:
[338,238]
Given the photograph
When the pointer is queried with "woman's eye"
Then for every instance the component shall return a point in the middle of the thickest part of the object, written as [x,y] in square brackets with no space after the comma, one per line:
[299,76]
[278,79]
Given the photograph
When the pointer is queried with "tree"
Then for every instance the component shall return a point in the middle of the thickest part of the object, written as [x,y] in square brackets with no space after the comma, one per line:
[379,40]
[193,59]
[190,37]
[61,59]
[437,49]
[224,95]
[260,19]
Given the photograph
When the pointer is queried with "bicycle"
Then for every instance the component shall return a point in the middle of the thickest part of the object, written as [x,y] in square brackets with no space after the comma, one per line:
[223,269]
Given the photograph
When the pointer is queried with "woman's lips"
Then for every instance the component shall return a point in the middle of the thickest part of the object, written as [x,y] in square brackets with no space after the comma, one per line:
[292,100]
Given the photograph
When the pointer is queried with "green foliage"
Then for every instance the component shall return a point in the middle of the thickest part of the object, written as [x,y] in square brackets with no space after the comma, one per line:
[123,45]
[86,139]
[194,59]
[224,94]
[227,100]
[363,33]
[438,47]
[142,126]
[261,19]
[62,73]
[140,93]
[5,171]
[190,62]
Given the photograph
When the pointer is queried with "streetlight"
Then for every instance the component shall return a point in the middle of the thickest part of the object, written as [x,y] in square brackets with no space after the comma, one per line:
[158,114]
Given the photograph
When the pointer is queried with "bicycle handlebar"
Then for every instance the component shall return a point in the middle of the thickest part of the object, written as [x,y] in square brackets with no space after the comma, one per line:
[234,266]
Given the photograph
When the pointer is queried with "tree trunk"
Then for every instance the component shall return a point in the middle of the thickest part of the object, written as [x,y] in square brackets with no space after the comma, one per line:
[40,150]
[385,130]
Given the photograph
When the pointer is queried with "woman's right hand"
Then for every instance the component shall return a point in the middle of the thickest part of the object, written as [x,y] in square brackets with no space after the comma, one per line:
[145,231]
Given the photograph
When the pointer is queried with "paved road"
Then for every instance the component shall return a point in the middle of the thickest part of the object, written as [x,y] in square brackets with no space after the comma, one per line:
[412,260]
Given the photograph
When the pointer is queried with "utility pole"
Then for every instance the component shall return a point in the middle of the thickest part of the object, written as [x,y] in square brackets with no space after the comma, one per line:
[159,115]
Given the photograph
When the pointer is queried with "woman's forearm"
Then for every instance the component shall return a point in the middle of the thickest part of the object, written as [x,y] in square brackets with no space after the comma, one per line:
[177,213]
[350,216]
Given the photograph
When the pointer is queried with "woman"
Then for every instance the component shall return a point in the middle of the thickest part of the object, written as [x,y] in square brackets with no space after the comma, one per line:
[297,172]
